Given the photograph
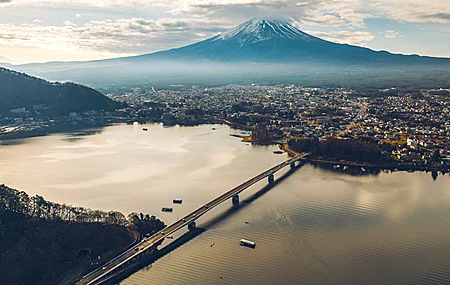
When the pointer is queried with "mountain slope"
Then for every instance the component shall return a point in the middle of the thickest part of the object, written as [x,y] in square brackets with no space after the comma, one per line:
[19,90]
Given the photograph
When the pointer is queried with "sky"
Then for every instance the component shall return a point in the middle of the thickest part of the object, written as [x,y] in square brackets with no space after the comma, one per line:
[63,30]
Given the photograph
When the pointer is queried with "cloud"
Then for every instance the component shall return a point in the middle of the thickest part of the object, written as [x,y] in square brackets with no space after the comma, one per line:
[323,12]
[69,23]
[390,34]
[312,12]
[4,59]
[419,11]
[121,37]
[344,37]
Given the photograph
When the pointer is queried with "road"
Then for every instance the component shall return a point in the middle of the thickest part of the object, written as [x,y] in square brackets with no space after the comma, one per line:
[97,275]
[361,113]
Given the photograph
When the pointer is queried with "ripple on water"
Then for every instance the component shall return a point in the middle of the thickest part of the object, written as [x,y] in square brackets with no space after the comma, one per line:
[324,237]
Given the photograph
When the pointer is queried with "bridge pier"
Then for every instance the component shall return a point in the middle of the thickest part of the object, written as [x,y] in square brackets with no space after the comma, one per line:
[235,200]
[271,178]
[192,226]
[292,165]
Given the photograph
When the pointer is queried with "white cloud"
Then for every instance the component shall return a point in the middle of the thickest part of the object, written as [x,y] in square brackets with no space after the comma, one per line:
[345,37]
[312,12]
[122,37]
[352,12]
[437,11]
[69,23]
[390,34]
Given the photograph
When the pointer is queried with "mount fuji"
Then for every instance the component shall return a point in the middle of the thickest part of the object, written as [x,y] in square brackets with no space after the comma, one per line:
[279,41]
[261,51]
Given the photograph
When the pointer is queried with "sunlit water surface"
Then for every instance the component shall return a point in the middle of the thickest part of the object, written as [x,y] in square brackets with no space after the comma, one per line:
[313,227]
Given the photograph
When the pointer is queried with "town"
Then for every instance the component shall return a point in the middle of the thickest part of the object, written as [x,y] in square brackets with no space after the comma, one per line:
[408,126]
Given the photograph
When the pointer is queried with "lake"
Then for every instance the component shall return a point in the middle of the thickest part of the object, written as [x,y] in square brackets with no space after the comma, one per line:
[314,226]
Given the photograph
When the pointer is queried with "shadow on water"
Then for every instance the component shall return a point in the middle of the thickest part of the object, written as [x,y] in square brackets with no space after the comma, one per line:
[9,142]
[185,238]
[244,203]
[80,135]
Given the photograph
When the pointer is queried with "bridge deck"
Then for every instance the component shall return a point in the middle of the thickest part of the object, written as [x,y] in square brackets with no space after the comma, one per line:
[131,253]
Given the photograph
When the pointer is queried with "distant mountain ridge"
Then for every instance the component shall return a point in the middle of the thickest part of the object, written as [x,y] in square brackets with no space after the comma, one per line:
[19,90]
[262,51]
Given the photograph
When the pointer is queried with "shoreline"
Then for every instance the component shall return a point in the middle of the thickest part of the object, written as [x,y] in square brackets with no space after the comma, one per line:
[55,129]
[65,127]
[386,166]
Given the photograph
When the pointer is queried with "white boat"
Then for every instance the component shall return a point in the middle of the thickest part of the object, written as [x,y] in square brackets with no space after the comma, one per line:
[247,243]
[363,169]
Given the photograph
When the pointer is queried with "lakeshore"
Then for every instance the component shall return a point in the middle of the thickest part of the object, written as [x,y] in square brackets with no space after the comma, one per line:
[340,164]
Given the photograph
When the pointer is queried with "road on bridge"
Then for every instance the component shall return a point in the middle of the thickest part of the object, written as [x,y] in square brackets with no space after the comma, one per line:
[96,276]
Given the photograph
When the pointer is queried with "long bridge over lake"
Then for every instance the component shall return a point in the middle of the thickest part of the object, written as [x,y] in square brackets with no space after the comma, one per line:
[99,275]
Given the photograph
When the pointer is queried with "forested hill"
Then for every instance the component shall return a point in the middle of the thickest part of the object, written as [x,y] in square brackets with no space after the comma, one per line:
[42,242]
[19,90]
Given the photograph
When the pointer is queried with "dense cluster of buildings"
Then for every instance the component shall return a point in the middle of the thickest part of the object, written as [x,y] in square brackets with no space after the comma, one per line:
[409,126]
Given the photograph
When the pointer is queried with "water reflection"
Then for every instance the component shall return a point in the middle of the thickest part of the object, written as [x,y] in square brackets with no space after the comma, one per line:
[348,170]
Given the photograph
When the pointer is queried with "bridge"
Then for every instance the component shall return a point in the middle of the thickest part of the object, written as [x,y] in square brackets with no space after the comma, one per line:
[108,269]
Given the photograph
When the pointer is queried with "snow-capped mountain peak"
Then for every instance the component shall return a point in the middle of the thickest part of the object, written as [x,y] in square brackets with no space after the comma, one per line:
[255,30]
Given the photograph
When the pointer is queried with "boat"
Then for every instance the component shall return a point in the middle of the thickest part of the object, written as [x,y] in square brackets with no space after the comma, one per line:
[337,166]
[145,129]
[345,167]
[278,151]
[363,169]
[247,243]
[213,129]
[177,201]
[166,209]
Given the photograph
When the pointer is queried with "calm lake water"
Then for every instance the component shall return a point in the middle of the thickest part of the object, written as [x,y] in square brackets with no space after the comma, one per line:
[313,227]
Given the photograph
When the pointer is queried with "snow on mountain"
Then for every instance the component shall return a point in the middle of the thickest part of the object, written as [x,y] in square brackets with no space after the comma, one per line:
[254,31]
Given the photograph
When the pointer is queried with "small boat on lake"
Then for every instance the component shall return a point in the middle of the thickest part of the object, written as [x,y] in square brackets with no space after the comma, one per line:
[247,243]
[278,151]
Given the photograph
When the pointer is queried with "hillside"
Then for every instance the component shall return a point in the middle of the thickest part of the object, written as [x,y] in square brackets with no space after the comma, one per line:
[43,242]
[19,90]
